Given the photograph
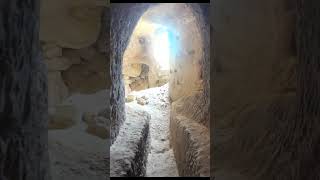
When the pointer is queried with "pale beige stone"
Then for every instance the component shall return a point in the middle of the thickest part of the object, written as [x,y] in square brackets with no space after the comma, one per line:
[142,101]
[57,90]
[97,125]
[130,98]
[58,64]
[62,116]
[132,70]
[70,23]
[51,50]
[90,75]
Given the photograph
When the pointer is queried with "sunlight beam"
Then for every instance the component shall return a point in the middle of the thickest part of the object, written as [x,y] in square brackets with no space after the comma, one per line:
[161,50]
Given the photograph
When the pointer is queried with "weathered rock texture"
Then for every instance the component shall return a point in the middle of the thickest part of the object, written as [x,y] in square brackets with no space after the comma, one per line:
[189,77]
[62,116]
[74,39]
[192,145]
[128,154]
[266,102]
[189,92]
[90,75]
[98,124]
[23,92]
[121,15]
[140,68]
[70,24]
[75,64]
[189,84]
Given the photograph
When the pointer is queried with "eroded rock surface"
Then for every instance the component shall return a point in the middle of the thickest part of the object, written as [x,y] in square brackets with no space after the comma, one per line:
[129,152]
[161,160]
[62,117]
[97,125]
[189,73]
[70,24]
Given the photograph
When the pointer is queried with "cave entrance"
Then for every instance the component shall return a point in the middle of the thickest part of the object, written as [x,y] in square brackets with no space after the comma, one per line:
[146,59]
[162,64]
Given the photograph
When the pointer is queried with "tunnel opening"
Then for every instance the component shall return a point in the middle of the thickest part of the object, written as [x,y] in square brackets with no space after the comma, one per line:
[146,59]
[164,77]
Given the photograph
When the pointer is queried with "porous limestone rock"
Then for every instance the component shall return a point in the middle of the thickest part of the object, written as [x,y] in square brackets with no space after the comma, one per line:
[132,70]
[139,60]
[62,116]
[97,125]
[58,63]
[130,98]
[90,75]
[196,68]
[57,90]
[70,23]
[51,50]
[141,101]
[128,154]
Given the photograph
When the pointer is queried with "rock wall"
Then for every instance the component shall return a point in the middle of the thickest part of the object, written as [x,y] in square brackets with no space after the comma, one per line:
[194,72]
[189,93]
[77,55]
[23,92]
[189,83]
[140,68]
[306,146]
[254,80]
[129,153]
[121,15]
[74,38]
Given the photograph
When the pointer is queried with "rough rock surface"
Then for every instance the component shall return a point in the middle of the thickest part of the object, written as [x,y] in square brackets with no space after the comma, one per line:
[57,90]
[130,98]
[139,63]
[72,154]
[161,160]
[141,101]
[97,125]
[128,154]
[189,71]
[51,50]
[80,70]
[58,64]
[132,70]
[62,116]
[189,89]
[75,153]
[191,141]
[265,89]
[195,72]
[121,15]
[70,24]
[92,70]
[23,92]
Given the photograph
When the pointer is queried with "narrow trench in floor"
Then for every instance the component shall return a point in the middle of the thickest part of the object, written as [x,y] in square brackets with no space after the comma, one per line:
[161,160]
[147,89]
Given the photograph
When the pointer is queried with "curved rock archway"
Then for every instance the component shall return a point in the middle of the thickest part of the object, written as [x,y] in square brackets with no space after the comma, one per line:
[188,86]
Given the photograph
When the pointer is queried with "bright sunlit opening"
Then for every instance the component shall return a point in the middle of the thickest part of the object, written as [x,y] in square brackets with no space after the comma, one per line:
[161,50]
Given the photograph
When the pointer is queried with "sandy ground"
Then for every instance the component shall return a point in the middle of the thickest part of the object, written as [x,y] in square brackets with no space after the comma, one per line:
[75,154]
[161,161]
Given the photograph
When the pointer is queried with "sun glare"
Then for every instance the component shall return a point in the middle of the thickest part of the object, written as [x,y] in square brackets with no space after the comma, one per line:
[161,49]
